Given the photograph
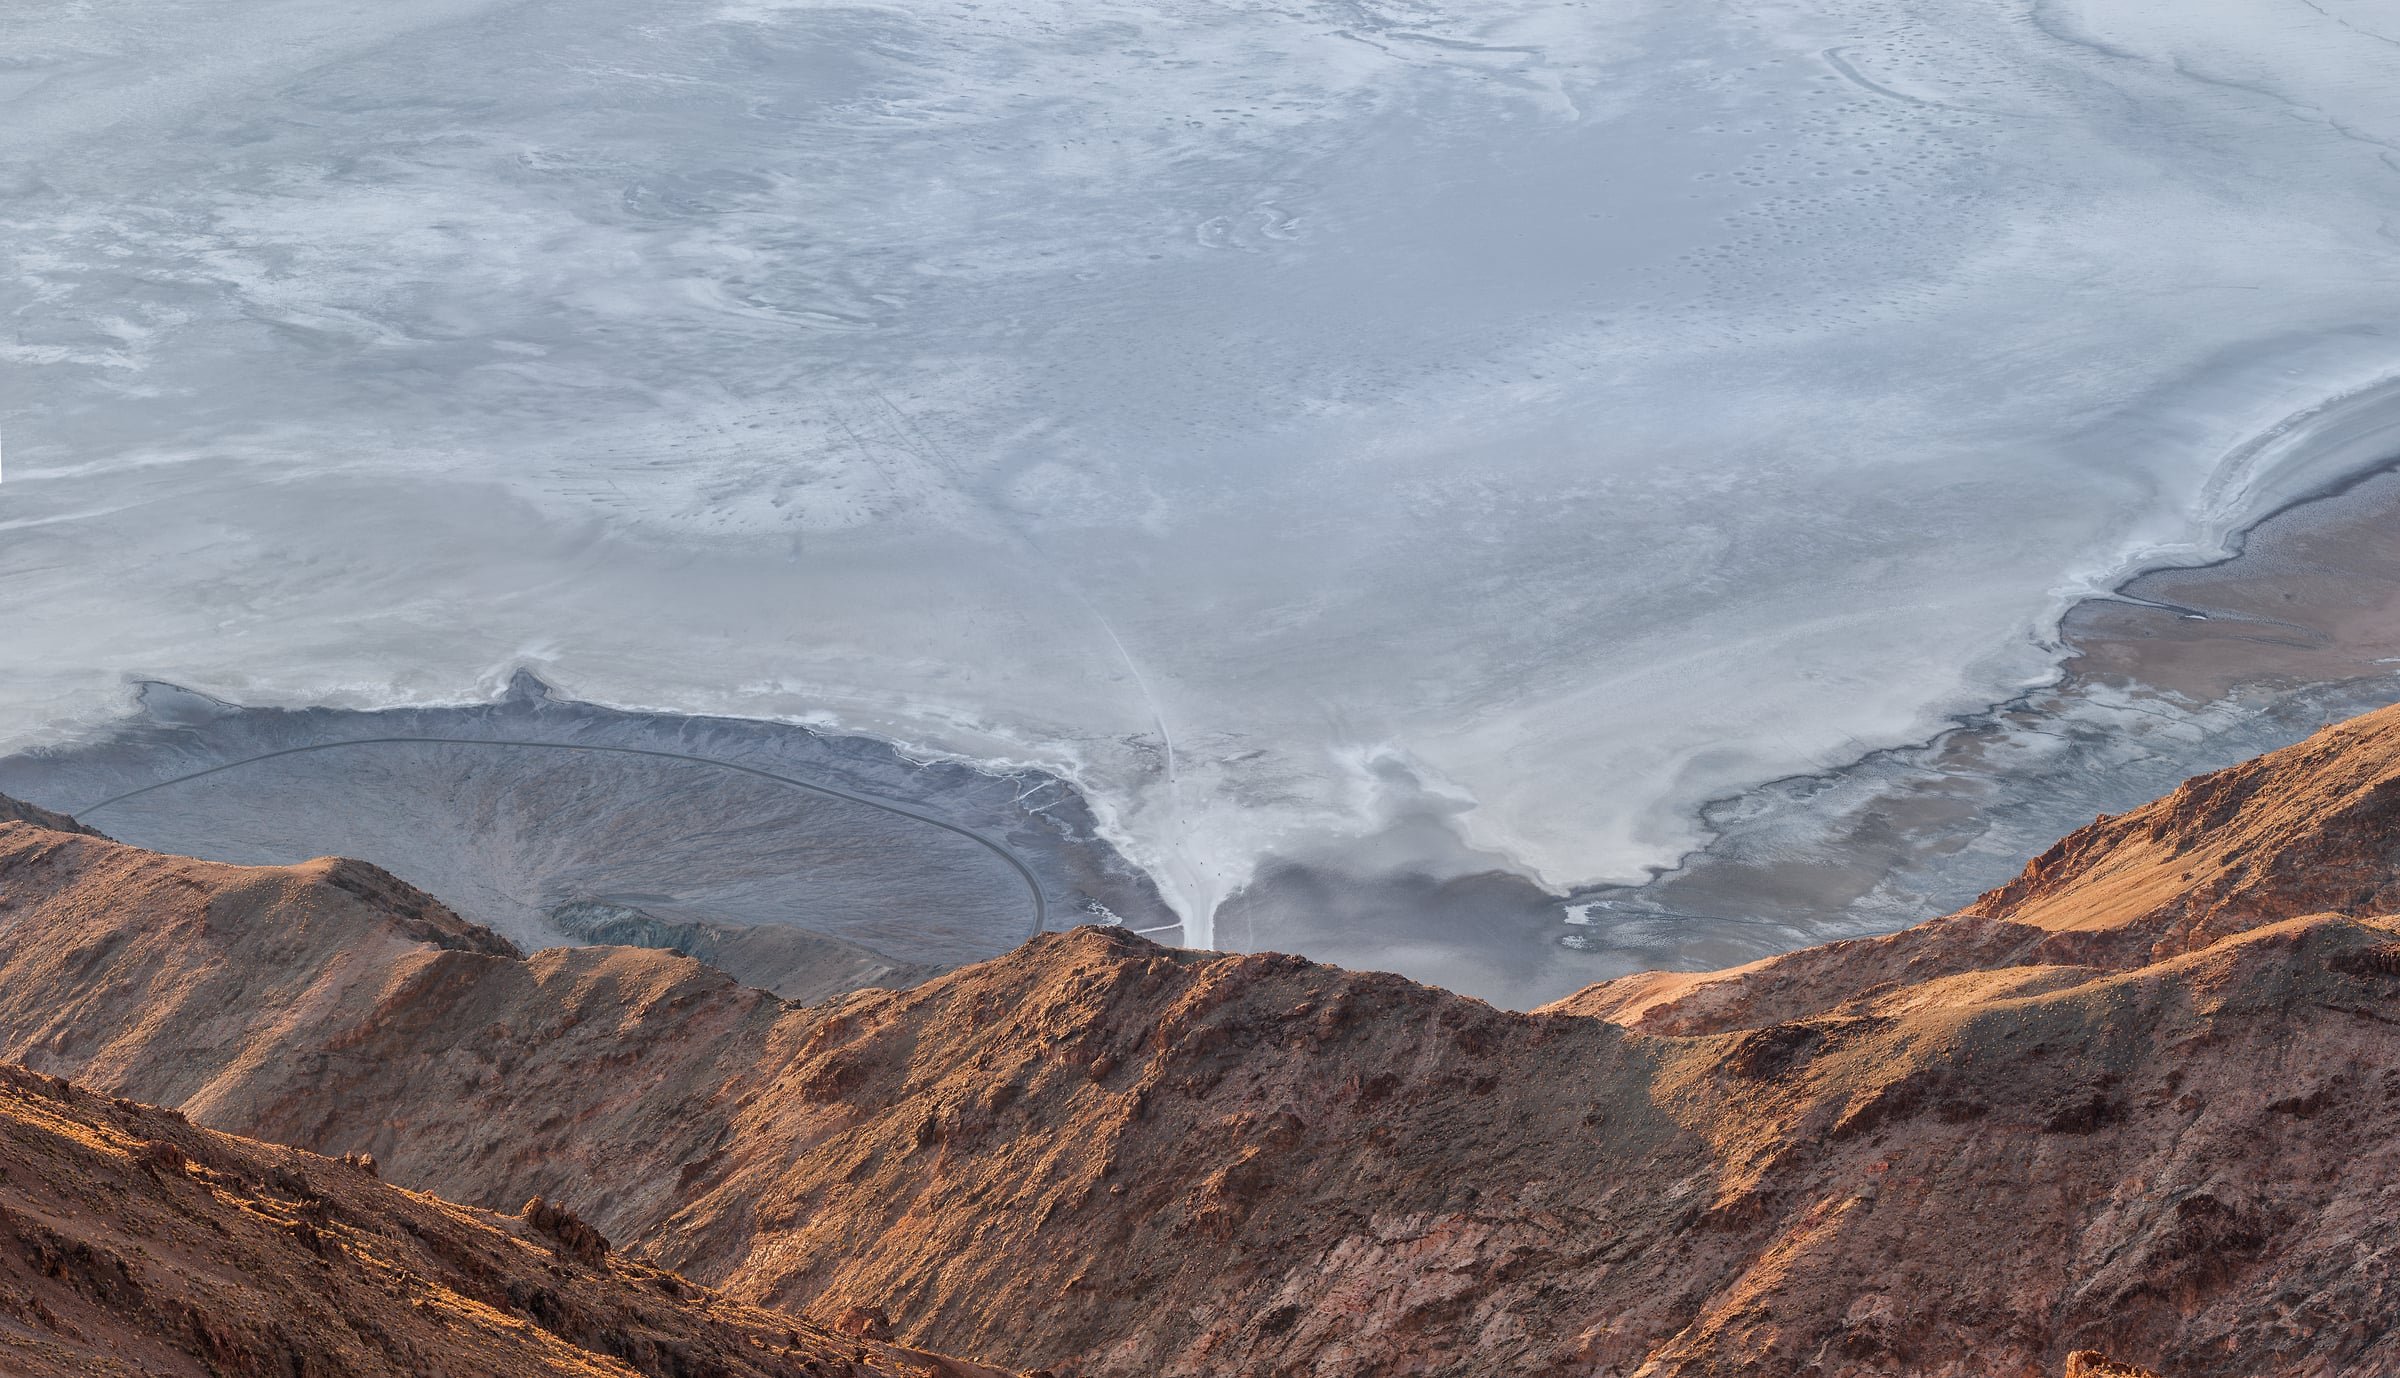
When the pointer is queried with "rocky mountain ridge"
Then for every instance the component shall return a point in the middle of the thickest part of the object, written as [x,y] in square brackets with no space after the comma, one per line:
[132,1242]
[2314,828]
[2141,1100]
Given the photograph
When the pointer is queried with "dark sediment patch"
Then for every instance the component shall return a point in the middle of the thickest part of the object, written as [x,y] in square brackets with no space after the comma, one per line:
[1488,934]
[800,965]
[2181,671]
[805,861]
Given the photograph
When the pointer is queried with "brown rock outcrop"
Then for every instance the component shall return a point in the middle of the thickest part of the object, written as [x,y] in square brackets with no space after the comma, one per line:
[795,963]
[133,1242]
[18,811]
[568,1235]
[2311,829]
[330,1007]
[2091,1363]
[2154,1122]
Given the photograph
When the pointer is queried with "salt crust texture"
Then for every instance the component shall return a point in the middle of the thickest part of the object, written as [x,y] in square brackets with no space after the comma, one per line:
[1293,421]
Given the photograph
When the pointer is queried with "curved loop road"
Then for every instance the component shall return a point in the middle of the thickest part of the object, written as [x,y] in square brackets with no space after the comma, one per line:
[1033,886]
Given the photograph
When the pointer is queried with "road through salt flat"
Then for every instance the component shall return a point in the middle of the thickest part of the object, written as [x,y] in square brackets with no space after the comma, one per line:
[1432,434]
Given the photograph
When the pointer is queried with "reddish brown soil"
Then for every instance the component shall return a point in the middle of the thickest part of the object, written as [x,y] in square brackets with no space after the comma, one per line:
[2144,1100]
[18,811]
[2311,829]
[133,1243]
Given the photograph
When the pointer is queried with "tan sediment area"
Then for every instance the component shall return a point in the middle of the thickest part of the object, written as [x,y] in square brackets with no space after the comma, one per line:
[2181,670]
[2313,598]
[2144,1099]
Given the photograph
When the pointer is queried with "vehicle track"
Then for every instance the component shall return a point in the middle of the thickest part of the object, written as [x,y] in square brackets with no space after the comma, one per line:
[1033,886]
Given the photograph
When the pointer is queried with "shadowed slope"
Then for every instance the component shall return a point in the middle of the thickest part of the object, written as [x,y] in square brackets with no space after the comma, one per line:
[18,811]
[2313,828]
[792,962]
[1956,1150]
[131,1242]
[330,1007]
[1258,1165]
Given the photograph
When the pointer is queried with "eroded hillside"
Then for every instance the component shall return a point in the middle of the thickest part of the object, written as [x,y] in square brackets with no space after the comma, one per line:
[2098,1110]
[132,1242]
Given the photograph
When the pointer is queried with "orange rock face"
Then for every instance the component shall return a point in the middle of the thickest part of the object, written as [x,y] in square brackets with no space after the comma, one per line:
[2312,829]
[2091,1363]
[2099,1110]
[18,811]
[132,1242]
